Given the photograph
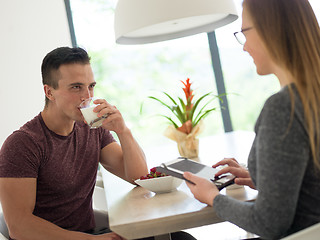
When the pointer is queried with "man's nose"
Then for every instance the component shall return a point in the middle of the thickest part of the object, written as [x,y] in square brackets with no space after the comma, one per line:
[86,94]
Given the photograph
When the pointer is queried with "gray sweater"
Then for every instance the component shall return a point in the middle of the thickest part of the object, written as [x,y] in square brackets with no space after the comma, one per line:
[282,169]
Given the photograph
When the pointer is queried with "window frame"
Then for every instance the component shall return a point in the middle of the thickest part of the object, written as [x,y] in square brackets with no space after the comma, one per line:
[216,67]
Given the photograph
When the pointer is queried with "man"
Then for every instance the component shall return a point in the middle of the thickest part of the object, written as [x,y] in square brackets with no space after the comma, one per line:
[48,167]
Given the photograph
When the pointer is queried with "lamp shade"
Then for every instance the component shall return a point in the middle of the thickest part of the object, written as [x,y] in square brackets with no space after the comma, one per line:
[147,21]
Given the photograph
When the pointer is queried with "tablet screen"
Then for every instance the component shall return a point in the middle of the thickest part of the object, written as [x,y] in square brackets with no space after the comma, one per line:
[198,169]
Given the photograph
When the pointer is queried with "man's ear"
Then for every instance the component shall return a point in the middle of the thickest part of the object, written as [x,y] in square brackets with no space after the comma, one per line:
[48,90]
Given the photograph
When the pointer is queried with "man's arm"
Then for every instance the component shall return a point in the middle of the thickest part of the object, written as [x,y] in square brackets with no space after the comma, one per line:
[128,160]
[18,196]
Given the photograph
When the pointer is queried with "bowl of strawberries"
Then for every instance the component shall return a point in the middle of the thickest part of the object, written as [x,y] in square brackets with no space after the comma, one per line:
[158,182]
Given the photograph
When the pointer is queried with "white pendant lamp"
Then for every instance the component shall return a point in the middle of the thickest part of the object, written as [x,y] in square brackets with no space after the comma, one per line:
[147,21]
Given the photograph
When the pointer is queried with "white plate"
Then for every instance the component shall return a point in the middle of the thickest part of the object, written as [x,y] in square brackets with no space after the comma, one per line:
[160,184]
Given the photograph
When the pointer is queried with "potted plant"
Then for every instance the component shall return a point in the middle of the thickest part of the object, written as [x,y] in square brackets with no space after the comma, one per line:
[186,118]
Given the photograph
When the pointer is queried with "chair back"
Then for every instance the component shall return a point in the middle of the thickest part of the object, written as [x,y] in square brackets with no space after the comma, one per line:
[3,237]
[4,234]
[310,233]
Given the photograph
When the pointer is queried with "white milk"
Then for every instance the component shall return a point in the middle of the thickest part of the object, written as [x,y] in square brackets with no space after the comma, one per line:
[89,115]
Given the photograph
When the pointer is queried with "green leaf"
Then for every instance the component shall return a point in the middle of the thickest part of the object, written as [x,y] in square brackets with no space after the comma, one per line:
[170,120]
[174,109]
[170,98]
[163,103]
[180,115]
[183,105]
[198,118]
[141,108]
[197,103]
[204,106]
[175,125]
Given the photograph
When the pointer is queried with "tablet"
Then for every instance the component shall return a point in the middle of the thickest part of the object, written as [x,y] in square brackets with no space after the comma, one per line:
[177,167]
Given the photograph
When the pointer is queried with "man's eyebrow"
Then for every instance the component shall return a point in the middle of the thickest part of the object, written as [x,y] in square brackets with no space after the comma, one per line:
[81,84]
[76,84]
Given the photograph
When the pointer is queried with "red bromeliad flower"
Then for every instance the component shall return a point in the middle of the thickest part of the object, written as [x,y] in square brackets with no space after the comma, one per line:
[189,96]
[185,111]
[187,126]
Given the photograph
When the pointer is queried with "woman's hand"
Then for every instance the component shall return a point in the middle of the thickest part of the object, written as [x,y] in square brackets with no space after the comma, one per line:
[202,189]
[242,174]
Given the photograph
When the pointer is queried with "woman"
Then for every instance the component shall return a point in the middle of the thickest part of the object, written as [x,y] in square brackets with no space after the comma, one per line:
[283,38]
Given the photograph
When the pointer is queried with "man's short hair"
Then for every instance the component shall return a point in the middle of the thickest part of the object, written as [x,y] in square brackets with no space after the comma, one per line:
[60,56]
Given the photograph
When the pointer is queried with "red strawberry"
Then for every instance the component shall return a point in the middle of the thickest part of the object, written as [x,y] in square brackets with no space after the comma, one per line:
[153,174]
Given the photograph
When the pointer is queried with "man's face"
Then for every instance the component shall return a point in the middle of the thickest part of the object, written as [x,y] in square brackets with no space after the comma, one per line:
[76,83]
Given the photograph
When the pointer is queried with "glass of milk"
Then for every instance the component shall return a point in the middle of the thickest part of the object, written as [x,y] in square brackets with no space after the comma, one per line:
[91,117]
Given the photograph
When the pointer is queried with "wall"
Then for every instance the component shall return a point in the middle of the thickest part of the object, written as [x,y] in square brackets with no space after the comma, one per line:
[28,30]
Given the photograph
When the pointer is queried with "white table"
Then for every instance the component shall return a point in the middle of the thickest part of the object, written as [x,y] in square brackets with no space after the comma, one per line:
[211,149]
[135,212]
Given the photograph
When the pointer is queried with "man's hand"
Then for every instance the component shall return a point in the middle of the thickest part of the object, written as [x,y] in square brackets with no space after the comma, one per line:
[202,189]
[114,121]
[242,174]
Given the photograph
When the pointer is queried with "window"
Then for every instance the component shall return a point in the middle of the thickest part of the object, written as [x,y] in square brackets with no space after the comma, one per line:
[128,74]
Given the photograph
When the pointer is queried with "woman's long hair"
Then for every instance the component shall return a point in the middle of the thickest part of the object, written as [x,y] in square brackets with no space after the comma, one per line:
[291,33]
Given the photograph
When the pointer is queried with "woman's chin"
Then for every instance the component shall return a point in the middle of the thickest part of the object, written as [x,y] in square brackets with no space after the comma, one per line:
[262,72]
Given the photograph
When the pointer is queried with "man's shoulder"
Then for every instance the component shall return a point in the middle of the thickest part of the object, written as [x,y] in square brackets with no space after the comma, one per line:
[22,151]
[30,131]
[33,127]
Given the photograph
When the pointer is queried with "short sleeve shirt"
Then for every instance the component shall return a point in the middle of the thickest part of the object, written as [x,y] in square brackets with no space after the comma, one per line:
[65,168]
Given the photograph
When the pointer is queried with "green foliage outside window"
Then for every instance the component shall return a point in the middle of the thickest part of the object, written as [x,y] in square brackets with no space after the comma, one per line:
[127,75]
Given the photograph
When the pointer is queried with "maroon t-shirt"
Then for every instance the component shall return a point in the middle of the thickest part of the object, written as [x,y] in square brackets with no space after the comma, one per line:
[65,168]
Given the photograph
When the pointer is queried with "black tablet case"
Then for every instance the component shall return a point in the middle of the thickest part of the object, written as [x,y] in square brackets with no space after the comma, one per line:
[187,165]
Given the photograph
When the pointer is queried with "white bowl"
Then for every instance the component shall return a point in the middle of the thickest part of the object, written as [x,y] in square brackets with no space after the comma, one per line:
[234,186]
[160,184]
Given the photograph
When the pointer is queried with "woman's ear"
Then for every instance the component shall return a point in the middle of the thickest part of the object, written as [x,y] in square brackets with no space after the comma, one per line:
[48,90]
